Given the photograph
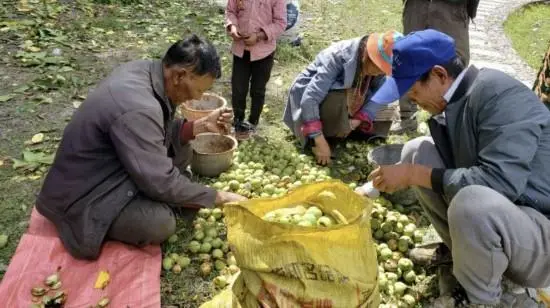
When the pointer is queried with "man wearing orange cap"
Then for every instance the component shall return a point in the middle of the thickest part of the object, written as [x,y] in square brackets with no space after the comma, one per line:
[329,100]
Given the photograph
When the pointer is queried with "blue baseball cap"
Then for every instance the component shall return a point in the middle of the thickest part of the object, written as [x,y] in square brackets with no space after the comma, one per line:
[414,55]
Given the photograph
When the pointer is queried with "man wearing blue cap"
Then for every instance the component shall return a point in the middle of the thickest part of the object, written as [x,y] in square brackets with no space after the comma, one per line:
[483,177]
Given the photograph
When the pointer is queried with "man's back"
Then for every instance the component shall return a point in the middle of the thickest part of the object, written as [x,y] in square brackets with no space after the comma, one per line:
[86,148]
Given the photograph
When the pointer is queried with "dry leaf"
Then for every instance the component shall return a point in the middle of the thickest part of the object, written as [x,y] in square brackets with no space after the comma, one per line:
[102,280]
[5,98]
[37,138]
[76,104]
[33,49]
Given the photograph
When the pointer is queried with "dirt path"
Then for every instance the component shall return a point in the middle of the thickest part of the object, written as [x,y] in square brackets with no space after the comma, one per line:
[489,45]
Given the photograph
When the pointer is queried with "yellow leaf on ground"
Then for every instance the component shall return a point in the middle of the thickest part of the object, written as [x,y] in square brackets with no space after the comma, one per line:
[33,49]
[37,138]
[102,280]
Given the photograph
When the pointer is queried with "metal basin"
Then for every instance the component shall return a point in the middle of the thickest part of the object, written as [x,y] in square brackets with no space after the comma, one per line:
[212,154]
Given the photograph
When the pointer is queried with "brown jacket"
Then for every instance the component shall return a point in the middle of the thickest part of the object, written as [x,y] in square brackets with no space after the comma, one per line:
[119,143]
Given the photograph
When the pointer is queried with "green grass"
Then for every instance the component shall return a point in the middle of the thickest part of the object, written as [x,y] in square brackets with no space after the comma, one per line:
[529,30]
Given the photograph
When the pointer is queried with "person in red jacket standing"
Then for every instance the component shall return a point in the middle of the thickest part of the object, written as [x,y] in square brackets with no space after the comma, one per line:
[255,26]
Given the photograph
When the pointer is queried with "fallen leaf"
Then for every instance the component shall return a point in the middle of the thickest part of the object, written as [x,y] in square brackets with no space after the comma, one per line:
[34,177]
[38,157]
[3,240]
[21,89]
[76,104]
[33,49]
[1,163]
[5,98]
[17,163]
[42,99]
[102,280]
[37,138]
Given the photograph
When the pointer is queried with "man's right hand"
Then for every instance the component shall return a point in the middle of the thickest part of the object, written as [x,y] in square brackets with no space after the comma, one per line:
[234,32]
[224,197]
[322,150]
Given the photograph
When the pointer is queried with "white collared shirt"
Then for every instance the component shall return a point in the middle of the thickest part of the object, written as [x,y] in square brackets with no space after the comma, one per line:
[452,89]
[449,94]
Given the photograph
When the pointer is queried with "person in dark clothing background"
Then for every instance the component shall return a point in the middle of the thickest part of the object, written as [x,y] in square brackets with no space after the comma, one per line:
[451,17]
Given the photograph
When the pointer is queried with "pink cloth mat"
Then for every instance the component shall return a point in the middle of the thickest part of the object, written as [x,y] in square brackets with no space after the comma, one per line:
[135,273]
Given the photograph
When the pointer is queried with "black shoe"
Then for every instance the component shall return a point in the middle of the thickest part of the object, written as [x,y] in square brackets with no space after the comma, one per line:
[251,128]
[244,130]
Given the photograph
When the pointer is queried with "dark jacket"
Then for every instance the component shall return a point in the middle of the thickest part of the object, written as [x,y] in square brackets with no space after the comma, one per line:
[118,143]
[471,6]
[496,133]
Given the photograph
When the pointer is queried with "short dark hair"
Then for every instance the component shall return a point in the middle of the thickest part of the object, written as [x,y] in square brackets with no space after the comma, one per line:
[453,67]
[195,52]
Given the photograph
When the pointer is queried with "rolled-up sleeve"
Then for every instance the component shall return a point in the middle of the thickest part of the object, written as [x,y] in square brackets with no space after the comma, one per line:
[139,142]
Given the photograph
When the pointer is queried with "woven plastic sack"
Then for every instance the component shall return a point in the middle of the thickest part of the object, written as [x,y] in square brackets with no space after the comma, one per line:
[291,266]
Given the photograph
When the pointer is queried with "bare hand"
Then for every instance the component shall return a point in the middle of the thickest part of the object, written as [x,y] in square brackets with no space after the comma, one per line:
[251,40]
[322,150]
[218,121]
[225,197]
[234,32]
[391,178]
[355,123]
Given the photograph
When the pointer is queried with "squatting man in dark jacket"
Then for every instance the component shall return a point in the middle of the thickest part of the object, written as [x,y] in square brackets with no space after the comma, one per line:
[120,170]
[483,177]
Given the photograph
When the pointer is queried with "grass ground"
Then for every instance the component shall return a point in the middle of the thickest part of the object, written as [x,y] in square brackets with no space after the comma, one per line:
[55,52]
[529,30]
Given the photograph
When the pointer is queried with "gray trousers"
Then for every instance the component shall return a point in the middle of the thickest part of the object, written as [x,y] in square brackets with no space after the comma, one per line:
[441,15]
[488,235]
[144,221]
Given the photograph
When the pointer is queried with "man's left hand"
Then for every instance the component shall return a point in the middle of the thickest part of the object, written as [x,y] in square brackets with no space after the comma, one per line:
[218,121]
[392,178]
